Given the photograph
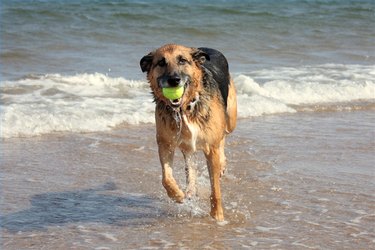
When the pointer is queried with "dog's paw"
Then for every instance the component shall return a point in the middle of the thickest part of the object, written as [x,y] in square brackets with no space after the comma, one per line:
[177,196]
[190,193]
[218,215]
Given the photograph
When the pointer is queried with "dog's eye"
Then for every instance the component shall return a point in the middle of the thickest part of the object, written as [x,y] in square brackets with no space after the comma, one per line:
[162,63]
[182,61]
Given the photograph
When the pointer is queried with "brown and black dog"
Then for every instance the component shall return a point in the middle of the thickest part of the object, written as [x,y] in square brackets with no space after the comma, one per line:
[200,119]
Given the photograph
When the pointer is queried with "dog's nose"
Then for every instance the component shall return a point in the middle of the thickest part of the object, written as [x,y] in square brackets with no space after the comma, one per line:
[174,81]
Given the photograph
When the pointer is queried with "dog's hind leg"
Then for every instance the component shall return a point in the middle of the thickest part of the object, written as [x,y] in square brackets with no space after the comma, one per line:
[166,155]
[191,174]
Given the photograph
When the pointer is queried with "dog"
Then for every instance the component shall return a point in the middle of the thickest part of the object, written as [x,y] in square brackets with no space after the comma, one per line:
[199,120]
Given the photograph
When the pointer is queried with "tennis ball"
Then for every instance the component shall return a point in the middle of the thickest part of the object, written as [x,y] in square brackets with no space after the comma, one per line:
[173,93]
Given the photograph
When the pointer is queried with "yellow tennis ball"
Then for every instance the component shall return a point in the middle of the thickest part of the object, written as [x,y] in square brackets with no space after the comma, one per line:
[173,93]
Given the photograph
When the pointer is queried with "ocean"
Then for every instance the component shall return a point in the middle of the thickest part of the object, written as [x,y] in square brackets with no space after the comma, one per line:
[74,65]
[79,166]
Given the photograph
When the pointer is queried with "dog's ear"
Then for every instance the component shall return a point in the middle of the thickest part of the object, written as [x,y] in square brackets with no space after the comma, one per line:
[200,56]
[146,62]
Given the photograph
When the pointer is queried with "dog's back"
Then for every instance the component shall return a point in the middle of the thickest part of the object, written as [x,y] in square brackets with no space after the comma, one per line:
[217,70]
[217,67]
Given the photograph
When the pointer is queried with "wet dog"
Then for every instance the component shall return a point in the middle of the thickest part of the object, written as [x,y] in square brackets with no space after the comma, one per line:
[198,120]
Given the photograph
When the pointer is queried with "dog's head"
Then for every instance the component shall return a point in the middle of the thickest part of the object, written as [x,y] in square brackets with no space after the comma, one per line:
[172,66]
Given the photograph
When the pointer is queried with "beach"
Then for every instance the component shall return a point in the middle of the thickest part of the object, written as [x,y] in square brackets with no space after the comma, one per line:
[293,182]
[79,161]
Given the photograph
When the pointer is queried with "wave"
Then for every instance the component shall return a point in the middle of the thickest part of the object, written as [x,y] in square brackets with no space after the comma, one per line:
[288,90]
[80,103]
[42,104]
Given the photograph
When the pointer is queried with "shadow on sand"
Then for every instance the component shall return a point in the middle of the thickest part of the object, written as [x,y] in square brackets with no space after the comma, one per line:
[59,208]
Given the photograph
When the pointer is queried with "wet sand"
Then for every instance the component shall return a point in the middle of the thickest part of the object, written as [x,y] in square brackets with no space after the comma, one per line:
[301,181]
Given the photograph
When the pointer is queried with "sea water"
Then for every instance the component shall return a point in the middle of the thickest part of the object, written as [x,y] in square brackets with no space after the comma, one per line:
[293,181]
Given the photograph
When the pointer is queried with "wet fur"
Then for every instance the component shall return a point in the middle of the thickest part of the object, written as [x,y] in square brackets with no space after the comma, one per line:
[205,114]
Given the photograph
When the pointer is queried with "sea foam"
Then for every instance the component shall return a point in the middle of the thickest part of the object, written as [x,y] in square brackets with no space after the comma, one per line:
[80,103]
[281,90]
[37,105]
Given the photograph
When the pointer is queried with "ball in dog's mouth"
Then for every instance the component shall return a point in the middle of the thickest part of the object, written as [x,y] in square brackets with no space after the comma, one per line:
[174,94]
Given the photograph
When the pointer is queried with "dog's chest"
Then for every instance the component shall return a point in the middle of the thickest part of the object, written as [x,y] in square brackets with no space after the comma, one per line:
[190,137]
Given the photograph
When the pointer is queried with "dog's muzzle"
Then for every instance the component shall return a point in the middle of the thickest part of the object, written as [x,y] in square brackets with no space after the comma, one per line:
[171,81]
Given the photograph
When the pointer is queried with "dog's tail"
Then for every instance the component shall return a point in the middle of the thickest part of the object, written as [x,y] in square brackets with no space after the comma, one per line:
[231,108]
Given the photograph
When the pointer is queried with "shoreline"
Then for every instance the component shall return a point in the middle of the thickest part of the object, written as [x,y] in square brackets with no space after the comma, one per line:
[303,109]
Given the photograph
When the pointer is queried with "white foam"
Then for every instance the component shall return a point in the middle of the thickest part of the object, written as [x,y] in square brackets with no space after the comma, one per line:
[279,90]
[81,103]
[222,223]
[109,236]
[39,105]
[266,229]
[191,207]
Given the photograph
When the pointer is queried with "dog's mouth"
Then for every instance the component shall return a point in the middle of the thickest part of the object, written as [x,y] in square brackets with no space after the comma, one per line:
[176,102]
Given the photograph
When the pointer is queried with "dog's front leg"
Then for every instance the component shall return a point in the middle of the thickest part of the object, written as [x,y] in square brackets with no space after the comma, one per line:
[191,173]
[214,168]
[166,154]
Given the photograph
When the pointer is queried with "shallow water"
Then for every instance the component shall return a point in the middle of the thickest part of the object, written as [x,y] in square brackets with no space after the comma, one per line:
[298,181]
